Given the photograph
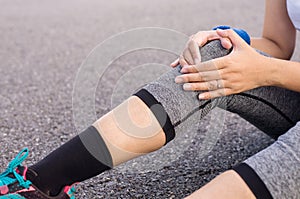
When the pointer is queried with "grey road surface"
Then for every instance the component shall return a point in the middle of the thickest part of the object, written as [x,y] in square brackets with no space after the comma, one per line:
[43,44]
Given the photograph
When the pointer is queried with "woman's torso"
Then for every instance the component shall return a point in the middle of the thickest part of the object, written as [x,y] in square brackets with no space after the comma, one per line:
[293,7]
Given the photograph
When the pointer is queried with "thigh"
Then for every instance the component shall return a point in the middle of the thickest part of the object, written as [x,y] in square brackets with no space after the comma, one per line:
[273,110]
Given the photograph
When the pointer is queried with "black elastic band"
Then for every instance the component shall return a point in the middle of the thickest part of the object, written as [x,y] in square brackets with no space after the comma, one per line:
[164,121]
[94,143]
[253,181]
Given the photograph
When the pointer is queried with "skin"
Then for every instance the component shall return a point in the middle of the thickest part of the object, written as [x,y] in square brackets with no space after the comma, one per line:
[226,185]
[243,69]
[135,127]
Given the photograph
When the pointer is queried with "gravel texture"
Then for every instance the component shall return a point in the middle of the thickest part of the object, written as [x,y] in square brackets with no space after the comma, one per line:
[42,46]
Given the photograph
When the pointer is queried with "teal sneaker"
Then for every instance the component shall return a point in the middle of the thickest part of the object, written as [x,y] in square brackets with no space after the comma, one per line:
[14,185]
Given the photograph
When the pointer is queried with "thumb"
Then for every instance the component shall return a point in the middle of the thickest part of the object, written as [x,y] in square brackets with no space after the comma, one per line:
[235,39]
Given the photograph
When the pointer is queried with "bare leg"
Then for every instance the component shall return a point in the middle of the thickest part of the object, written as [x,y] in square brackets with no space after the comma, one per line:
[120,135]
[228,185]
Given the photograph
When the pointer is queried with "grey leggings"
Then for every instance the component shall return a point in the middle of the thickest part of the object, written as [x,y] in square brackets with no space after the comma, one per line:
[275,171]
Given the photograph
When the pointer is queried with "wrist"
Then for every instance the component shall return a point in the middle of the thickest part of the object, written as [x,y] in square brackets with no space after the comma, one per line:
[272,73]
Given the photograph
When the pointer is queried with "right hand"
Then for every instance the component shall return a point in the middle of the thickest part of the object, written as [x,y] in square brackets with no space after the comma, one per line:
[191,53]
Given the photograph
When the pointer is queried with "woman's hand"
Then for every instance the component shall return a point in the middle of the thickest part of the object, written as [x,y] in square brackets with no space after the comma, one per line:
[243,69]
[191,54]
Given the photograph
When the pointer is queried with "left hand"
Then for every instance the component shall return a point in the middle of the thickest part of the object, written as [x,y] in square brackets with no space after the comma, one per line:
[243,69]
[191,54]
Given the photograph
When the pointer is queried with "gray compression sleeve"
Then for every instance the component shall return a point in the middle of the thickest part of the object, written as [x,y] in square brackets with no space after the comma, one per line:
[180,105]
[271,109]
[278,166]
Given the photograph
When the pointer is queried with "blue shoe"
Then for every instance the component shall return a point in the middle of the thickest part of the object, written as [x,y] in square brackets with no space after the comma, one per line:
[13,183]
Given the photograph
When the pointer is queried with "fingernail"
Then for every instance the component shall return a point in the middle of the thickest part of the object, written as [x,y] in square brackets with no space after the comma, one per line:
[201,96]
[178,80]
[187,86]
[183,70]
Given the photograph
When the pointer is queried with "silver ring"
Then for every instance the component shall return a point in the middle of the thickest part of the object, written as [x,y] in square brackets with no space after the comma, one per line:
[218,84]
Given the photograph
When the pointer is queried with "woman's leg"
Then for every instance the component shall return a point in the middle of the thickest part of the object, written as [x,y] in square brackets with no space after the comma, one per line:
[271,109]
[128,131]
[271,173]
[228,185]
[143,123]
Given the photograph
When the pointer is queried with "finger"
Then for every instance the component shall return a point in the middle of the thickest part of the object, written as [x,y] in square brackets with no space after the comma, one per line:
[188,57]
[194,51]
[192,77]
[189,69]
[235,39]
[210,75]
[203,86]
[226,43]
[199,86]
[175,63]
[199,77]
[201,38]
[182,61]
[214,94]
[214,64]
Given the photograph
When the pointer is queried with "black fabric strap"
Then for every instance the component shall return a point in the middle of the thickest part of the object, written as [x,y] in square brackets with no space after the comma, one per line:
[160,114]
[253,181]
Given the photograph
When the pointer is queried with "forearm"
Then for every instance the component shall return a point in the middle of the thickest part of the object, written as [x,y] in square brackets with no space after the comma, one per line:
[279,34]
[271,48]
[282,73]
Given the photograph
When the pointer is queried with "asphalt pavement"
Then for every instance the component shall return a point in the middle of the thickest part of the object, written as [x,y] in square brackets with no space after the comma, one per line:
[44,43]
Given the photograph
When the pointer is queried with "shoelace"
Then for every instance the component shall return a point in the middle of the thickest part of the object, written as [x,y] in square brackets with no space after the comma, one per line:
[11,169]
[71,192]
